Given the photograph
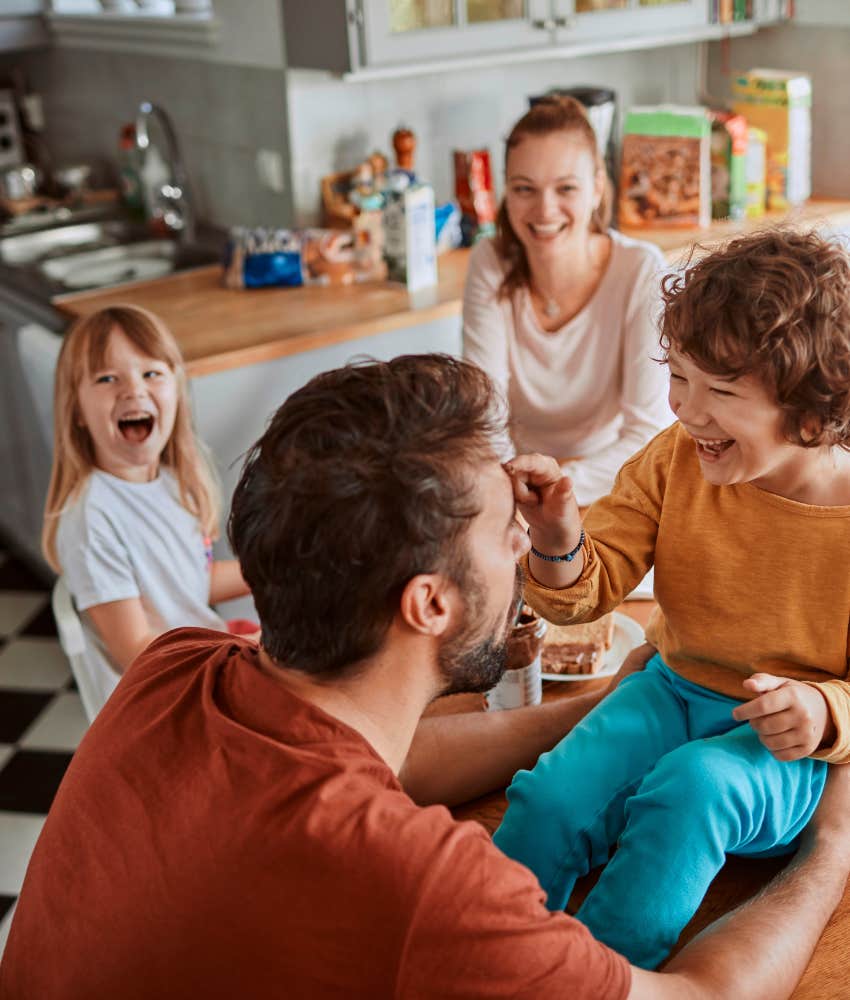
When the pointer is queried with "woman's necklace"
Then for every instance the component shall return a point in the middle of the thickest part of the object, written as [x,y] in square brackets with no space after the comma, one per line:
[549,303]
[551,308]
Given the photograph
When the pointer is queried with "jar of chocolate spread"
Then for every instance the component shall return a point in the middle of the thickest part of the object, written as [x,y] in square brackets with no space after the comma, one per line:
[521,683]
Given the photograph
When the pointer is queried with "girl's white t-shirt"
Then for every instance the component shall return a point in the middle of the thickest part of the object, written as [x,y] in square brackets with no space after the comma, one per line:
[120,540]
[592,391]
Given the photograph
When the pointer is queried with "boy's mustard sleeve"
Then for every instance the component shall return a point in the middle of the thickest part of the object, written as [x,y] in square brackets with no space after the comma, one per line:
[619,546]
[837,694]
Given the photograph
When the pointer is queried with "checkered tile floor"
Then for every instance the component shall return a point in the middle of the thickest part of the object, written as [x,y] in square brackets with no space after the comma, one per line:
[41,722]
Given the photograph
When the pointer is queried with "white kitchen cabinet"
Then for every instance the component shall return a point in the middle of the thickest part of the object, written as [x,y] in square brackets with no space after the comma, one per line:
[363,39]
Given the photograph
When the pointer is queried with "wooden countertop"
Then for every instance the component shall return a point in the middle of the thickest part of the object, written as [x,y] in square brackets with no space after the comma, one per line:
[219,328]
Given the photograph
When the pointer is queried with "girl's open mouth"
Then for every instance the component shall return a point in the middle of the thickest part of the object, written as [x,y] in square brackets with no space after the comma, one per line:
[136,429]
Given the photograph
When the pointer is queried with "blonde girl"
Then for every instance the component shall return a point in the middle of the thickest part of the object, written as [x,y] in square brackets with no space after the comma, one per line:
[132,507]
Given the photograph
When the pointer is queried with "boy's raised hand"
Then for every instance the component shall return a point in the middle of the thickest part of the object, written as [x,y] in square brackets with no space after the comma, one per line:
[545,498]
[792,719]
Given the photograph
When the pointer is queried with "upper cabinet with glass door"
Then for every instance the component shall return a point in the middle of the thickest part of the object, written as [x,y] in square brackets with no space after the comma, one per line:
[393,31]
[394,37]
[581,21]
[351,36]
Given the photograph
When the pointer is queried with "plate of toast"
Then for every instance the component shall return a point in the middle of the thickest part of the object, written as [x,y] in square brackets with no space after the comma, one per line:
[590,650]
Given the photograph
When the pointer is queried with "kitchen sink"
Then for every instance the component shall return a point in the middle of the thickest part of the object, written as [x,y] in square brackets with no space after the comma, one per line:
[110,265]
[98,255]
[29,248]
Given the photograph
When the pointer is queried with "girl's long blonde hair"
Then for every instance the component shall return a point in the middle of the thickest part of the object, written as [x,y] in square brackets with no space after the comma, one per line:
[84,351]
[550,114]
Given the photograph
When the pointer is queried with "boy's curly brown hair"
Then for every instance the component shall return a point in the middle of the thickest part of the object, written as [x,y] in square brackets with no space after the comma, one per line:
[775,305]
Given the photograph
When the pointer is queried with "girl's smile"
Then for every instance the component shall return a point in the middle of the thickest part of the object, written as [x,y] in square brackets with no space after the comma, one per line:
[128,406]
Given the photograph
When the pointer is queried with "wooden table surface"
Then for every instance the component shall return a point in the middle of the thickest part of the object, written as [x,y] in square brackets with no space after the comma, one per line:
[827,977]
[219,328]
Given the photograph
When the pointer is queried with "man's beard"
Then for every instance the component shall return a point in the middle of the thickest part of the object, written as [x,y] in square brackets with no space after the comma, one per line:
[470,666]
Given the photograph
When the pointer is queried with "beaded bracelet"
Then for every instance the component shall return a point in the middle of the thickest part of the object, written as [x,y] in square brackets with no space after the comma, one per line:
[568,557]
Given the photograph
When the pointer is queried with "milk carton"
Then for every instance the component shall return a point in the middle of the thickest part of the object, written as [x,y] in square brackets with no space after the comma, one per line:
[410,242]
[756,172]
[779,103]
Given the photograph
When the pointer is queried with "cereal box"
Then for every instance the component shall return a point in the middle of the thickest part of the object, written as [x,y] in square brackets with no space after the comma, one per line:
[779,103]
[665,176]
[728,165]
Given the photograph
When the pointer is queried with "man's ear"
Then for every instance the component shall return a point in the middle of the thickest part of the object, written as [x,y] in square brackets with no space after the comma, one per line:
[428,603]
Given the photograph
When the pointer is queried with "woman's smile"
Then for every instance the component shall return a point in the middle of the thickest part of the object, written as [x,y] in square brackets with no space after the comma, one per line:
[553,187]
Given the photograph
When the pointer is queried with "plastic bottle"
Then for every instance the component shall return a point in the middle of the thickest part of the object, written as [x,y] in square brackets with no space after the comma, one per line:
[128,172]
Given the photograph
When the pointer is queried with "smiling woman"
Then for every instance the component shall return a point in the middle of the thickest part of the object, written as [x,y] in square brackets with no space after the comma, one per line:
[560,310]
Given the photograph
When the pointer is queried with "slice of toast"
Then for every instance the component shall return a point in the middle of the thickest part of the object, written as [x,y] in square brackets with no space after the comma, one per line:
[577,649]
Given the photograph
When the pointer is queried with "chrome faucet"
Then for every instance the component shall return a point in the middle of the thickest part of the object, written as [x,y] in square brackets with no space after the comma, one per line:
[172,202]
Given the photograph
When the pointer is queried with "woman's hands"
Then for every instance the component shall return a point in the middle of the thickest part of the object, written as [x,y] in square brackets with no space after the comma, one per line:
[545,498]
[792,719]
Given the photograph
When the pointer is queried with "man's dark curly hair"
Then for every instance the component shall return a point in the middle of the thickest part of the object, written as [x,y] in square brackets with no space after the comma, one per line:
[364,478]
[775,305]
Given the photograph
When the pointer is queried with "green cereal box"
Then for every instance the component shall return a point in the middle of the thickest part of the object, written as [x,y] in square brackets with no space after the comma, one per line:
[780,103]
[665,173]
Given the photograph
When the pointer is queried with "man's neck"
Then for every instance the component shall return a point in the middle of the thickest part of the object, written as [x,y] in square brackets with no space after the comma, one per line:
[383,701]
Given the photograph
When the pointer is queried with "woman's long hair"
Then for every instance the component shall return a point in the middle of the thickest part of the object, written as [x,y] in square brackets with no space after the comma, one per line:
[550,114]
[83,351]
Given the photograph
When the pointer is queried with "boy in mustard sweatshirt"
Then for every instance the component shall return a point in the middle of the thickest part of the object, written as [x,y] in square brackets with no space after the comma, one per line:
[721,744]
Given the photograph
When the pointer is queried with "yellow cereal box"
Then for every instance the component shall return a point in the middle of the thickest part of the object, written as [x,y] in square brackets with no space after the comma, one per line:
[779,103]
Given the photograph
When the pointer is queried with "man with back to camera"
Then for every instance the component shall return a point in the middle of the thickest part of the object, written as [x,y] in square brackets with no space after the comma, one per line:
[233,823]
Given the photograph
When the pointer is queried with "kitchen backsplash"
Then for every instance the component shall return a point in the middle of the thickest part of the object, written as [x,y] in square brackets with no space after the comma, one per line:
[223,115]
[334,125]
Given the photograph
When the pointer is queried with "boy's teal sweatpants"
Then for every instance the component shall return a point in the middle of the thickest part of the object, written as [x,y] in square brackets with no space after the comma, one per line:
[661,769]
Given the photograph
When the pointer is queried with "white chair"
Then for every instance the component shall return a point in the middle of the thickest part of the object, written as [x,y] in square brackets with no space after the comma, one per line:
[72,638]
